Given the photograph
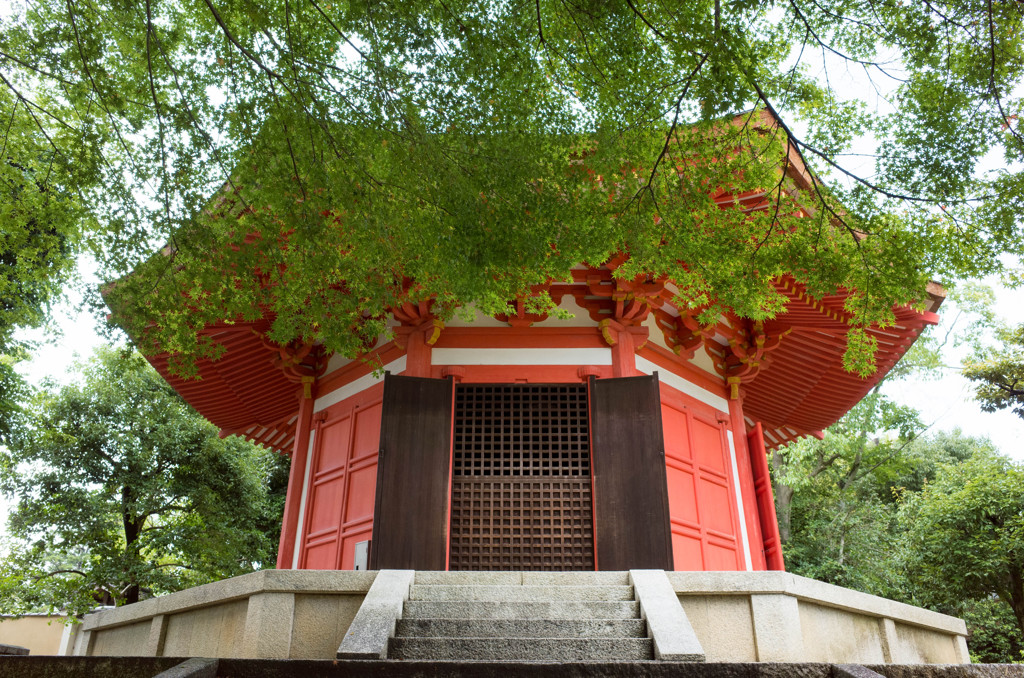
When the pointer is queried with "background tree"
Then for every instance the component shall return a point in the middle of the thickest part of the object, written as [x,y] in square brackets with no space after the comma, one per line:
[481,147]
[836,500]
[999,372]
[992,631]
[850,525]
[965,534]
[124,491]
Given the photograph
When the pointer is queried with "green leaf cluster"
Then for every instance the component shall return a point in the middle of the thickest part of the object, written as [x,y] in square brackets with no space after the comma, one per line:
[478,148]
[999,372]
[41,224]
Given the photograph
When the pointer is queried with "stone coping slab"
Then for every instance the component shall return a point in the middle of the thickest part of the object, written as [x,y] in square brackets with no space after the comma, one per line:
[195,667]
[125,667]
[683,583]
[674,638]
[244,586]
[802,588]
[374,623]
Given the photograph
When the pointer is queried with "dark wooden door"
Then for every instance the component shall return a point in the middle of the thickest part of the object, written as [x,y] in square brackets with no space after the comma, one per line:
[410,521]
[631,518]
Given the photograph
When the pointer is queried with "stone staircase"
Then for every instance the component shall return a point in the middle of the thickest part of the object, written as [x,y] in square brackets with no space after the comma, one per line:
[521,616]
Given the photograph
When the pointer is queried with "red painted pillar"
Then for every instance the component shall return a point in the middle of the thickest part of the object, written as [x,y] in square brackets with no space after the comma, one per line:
[296,477]
[750,505]
[765,500]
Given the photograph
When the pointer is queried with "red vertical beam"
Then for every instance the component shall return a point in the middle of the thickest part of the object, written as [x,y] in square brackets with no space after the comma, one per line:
[296,478]
[451,472]
[747,486]
[624,355]
[417,355]
[765,500]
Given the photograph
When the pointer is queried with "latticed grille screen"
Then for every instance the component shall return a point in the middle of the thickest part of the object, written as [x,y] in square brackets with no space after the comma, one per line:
[521,478]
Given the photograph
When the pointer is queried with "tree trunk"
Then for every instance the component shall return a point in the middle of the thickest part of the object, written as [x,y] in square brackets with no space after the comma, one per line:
[842,532]
[1017,597]
[132,528]
[131,594]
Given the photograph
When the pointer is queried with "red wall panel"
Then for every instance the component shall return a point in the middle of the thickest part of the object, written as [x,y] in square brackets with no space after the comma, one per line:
[339,510]
[701,493]
[701,496]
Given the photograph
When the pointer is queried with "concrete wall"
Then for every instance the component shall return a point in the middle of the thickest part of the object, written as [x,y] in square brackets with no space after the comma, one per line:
[781,617]
[40,633]
[272,614]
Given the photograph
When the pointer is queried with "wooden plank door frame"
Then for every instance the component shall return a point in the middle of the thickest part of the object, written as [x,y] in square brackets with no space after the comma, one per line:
[411,508]
[632,525]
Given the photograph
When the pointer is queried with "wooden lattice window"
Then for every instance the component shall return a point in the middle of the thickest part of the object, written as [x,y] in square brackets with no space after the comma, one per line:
[521,481]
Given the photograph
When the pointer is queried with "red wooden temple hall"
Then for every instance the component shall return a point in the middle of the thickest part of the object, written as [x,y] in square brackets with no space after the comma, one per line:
[625,437]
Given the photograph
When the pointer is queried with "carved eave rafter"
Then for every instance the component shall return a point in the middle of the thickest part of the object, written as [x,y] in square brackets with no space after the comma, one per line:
[746,354]
[618,305]
[416,317]
[682,331]
[521,317]
[300,362]
[250,389]
[809,367]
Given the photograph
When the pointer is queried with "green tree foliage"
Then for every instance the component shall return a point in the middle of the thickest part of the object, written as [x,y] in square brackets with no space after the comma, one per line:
[835,499]
[480,147]
[12,393]
[122,491]
[41,230]
[994,637]
[965,534]
[854,518]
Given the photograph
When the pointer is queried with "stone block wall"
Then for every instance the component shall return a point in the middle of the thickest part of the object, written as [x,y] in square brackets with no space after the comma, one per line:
[781,617]
[737,617]
[272,614]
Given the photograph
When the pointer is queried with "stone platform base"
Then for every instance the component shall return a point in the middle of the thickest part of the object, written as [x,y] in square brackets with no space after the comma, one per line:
[166,667]
[733,616]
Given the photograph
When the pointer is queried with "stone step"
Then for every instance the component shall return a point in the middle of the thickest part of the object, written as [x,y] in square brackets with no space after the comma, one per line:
[432,609]
[577,578]
[522,628]
[529,578]
[469,578]
[524,593]
[522,649]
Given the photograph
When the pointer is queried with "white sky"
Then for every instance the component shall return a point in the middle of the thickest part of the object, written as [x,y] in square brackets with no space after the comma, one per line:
[948,402]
